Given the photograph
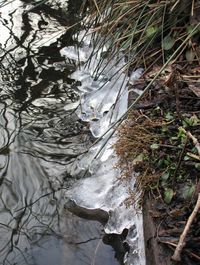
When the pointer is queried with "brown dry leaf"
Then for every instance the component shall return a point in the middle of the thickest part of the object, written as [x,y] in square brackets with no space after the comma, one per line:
[195,89]
[170,79]
[151,73]
[154,70]
[166,77]
[194,70]
[176,212]
[155,214]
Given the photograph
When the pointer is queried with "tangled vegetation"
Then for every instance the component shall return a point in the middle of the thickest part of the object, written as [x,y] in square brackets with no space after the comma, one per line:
[163,38]
[159,136]
[156,146]
[148,31]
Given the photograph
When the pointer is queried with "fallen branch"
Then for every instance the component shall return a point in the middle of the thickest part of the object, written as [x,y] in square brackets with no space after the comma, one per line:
[181,243]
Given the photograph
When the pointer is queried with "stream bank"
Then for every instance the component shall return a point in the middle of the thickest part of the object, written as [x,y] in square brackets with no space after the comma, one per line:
[166,122]
[159,139]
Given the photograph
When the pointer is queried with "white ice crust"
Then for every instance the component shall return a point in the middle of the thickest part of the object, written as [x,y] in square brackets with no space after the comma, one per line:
[103,101]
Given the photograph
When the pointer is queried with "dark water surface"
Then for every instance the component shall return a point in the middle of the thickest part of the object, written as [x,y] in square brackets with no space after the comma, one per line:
[38,141]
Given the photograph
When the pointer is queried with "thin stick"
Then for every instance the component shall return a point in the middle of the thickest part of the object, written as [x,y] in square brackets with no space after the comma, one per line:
[181,243]
[186,250]
[96,5]
[194,139]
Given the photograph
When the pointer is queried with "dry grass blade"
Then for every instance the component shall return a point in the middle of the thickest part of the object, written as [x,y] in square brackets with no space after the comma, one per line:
[137,27]
[97,7]
[135,136]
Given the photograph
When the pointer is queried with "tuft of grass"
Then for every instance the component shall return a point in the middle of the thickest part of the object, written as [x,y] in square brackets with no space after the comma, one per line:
[157,35]
[157,151]
[146,31]
[137,136]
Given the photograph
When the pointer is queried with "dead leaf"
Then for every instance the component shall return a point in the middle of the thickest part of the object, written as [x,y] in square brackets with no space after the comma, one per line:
[155,214]
[176,213]
[190,55]
[195,89]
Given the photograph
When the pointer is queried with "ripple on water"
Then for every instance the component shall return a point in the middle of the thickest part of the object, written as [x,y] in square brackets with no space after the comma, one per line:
[40,136]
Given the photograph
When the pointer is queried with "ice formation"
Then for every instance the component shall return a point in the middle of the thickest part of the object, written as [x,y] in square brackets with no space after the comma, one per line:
[103,101]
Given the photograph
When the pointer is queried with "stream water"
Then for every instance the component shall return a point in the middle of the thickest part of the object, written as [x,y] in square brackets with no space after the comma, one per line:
[57,197]
[40,135]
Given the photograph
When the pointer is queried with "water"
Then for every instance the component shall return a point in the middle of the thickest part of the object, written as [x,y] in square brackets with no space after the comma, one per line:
[41,137]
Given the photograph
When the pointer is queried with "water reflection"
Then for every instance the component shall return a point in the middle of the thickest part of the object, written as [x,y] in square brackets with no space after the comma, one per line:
[39,139]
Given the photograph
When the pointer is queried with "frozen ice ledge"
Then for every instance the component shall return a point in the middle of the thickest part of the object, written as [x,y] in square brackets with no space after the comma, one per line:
[103,100]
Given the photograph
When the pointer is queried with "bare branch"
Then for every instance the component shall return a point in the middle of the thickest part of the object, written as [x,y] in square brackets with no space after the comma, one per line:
[181,243]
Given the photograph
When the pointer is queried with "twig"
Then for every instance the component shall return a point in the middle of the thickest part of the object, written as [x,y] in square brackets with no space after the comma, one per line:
[193,156]
[194,139]
[186,250]
[181,243]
